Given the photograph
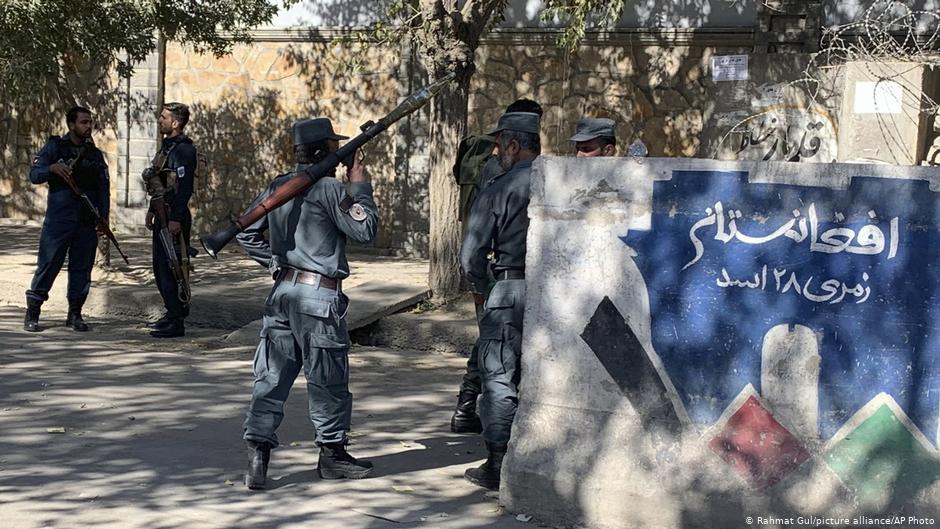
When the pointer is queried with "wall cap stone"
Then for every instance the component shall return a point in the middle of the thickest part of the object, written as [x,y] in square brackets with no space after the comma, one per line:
[738,36]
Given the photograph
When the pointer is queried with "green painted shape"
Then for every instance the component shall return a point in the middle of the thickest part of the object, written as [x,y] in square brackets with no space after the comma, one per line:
[881,459]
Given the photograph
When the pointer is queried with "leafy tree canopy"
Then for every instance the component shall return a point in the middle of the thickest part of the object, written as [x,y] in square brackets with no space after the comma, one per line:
[39,39]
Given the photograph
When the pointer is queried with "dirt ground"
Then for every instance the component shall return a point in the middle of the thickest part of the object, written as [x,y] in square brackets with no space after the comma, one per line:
[112,429]
[227,293]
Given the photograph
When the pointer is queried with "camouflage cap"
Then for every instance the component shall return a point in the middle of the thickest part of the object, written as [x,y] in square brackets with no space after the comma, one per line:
[589,128]
[315,130]
[517,121]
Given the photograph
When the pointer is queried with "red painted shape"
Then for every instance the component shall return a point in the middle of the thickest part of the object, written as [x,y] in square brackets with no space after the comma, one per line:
[761,450]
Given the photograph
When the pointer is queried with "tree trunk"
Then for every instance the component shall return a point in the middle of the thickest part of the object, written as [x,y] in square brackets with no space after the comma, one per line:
[447,36]
[448,125]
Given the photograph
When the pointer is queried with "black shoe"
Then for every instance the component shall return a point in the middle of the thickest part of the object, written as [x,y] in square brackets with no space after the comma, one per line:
[487,474]
[74,319]
[173,329]
[258,468]
[163,321]
[31,323]
[465,418]
[336,463]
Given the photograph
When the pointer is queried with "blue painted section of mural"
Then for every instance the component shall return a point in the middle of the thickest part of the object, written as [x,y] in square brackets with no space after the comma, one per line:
[726,260]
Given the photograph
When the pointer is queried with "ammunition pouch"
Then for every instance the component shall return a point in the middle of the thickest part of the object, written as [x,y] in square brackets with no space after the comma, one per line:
[159,183]
[159,180]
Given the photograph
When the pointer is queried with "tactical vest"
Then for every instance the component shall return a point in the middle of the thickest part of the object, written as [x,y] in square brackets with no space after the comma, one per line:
[85,173]
[168,176]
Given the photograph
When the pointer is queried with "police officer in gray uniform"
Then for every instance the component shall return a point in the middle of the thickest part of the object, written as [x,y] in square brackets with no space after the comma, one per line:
[498,223]
[304,325]
[472,173]
[595,137]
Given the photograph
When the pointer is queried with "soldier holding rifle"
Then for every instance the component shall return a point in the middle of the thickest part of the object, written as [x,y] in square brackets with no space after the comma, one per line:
[66,163]
[170,185]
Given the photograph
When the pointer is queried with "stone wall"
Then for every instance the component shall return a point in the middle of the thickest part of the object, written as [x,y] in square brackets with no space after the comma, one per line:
[25,127]
[708,343]
[243,104]
[656,83]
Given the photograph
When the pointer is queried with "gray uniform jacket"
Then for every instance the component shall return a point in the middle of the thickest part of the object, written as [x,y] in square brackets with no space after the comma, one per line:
[311,233]
[498,221]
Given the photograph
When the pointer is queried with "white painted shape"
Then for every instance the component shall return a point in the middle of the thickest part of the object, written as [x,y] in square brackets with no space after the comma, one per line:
[789,378]
[878,97]
[769,94]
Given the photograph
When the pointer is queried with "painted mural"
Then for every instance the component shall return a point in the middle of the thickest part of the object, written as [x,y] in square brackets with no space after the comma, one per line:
[794,323]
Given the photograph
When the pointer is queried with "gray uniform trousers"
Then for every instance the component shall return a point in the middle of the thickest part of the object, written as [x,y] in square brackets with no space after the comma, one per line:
[471,379]
[304,327]
[500,352]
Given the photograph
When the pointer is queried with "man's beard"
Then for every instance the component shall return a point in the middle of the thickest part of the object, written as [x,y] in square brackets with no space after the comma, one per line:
[505,161]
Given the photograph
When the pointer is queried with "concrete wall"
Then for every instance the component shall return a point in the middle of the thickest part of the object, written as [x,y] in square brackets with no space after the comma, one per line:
[711,341]
[138,139]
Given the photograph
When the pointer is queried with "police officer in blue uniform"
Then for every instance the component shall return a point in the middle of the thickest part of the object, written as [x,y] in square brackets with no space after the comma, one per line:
[304,314]
[68,228]
[497,226]
[179,154]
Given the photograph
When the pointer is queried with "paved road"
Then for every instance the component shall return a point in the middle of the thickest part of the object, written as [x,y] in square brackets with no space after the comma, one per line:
[227,293]
[152,438]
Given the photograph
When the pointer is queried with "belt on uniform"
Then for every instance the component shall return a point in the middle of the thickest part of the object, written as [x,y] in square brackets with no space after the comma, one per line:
[510,274]
[310,278]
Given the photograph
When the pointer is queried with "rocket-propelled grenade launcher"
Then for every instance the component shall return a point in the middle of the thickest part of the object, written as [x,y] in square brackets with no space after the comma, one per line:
[301,181]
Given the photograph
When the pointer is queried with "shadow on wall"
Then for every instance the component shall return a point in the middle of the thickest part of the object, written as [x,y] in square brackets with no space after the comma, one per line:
[352,96]
[243,124]
[835,418]
[656,94]
[664,95]
[247,143]
[24,128]
[775,117]
[527,13]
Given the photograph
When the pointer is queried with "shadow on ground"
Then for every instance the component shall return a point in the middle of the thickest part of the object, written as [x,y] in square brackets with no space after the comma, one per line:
[152,438]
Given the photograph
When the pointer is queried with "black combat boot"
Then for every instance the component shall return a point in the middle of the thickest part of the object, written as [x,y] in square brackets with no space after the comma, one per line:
[74,318]
[172,329]
[465,419]
[487,474]
[336,463]
[258,468]
[31,323]
[164,320]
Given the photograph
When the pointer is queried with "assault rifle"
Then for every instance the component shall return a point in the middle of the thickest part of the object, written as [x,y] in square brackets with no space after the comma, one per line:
[100,223]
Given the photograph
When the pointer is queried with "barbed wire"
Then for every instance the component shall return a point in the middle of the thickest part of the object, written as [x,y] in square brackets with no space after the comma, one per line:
[889,40]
